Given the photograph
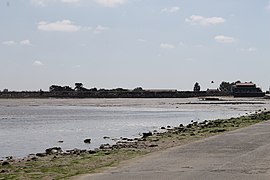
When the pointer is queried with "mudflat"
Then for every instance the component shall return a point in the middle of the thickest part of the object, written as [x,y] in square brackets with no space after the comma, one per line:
[205,157]
[240,154]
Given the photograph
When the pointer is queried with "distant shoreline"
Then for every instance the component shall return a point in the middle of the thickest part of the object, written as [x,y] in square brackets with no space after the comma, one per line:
[110,94]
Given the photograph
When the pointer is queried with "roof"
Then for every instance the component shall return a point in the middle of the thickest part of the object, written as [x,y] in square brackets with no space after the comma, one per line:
[245,84]
[161,90]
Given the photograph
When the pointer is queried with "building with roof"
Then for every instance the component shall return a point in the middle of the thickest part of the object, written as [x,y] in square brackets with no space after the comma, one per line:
[247,89]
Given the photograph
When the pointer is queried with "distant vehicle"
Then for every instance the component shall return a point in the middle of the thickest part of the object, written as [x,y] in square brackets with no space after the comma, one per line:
[247,90]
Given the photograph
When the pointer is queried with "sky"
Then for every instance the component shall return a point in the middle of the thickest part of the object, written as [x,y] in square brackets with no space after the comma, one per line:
[154,44]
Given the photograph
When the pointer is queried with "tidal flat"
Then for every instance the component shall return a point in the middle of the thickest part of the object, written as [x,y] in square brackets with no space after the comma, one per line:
[59,165]
[29,126]
[119,129]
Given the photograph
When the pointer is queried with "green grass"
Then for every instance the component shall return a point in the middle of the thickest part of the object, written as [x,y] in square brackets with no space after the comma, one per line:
[66,166]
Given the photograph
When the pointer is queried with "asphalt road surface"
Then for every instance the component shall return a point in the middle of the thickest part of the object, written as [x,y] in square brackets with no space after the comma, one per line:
[238,155]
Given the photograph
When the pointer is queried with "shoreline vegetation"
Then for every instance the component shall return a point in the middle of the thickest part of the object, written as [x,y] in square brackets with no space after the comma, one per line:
[55,163]
[236,89]
[115,93]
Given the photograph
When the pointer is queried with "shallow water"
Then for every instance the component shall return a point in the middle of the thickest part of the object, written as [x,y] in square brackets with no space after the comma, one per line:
[32,125]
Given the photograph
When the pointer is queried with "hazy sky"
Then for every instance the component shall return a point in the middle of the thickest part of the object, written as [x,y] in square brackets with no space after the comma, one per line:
[131,43]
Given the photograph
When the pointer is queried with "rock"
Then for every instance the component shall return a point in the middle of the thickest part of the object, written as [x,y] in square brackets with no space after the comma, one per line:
[34,158]
[181,125]
[145,135]
[106,137]
[5,163]
[181,129]
[9,157]
[104,146]
[116,146]
[162,128]
[87,141]
[76,151]
[60,141]
[195,123]
[53,150]
[92,152]
[168,127]
[217,130]
[4,171]
[153,145]
[210,124]
[41,154]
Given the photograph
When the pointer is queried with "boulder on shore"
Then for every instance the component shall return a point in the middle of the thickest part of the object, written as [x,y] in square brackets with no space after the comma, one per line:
[41,154]
[87,141]
[145,135]
[5,163]
[54,150]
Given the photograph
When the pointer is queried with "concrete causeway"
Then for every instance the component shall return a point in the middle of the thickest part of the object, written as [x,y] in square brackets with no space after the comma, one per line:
[242,154]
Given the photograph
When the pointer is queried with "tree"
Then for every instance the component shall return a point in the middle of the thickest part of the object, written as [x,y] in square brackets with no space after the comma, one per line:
[78,86]
[54,88]
[93,89]
[67,88]
[227,86]
[138,89]
[197,87]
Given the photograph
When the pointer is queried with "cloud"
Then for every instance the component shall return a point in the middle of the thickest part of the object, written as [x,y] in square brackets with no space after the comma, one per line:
[9,43]
[39,2]
[141,40]
[86,28]
[38,63]
[60,26]
[70,1]
[224,39]
[25,42]
[268,6]
[194,19]
[110,3]
[12,43]
[44,3]
[171,9]
[100,29]
[68,26]
[250,49]
[167,46]
[77,66]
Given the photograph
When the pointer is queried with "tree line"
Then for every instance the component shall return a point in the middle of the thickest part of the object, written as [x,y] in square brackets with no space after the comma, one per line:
[224,86]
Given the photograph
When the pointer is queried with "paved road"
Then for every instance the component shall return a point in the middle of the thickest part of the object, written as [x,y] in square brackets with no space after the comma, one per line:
[239,155]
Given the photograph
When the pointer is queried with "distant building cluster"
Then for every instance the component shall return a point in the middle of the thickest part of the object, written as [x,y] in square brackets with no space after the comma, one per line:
[236,89]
